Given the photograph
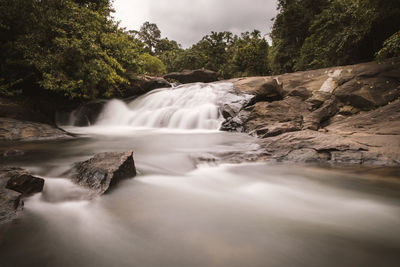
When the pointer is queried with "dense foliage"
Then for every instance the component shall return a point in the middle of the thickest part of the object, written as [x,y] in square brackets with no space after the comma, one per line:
[228,54]
[70,48]
[309,34]
[75,49]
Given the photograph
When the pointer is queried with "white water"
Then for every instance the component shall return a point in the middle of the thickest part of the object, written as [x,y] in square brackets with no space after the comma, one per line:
[194,106]
[178,213]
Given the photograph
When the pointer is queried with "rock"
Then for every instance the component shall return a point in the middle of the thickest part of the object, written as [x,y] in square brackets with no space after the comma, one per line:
[15,130]
[19,110]
[317,99]
[143,84]
[368,93]
[348,111]
[274,118]
[23,182]
[326,111]
[10,203]
[301,92]
[306,155]
[300,146]
[370,138]
[192,76]
[88,113]
[262,88]
[15,184]
[102,172]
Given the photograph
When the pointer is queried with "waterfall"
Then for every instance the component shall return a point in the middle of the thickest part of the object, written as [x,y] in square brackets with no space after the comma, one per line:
[193,106]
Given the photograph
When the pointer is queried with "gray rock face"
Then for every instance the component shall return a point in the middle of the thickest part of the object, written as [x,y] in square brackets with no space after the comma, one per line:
[192,76]
[346,114]
[15,130]
[15,184]
[102,172]
[262,88]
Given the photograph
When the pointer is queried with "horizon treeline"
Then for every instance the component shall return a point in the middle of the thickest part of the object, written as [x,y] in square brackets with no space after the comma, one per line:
[75,49]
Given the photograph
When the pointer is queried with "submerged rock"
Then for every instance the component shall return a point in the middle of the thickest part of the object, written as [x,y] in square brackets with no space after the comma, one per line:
[15,184]
[105,170]
[193,76]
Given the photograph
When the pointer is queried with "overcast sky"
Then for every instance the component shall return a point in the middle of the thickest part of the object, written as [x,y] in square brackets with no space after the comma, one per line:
[187,21]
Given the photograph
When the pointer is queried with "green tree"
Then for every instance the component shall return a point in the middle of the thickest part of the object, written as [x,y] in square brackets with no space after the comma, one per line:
[290,29]
[71,48]
[391,47]
[150,35]
[250,56]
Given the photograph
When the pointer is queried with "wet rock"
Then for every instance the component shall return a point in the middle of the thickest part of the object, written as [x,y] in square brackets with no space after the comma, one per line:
[105,170]
[262,88]
[192,76]
[88,113]
[140,85]
[15,130]
[23,182]
[15,184]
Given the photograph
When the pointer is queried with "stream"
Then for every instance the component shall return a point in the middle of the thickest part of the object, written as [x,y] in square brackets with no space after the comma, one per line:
[179,211]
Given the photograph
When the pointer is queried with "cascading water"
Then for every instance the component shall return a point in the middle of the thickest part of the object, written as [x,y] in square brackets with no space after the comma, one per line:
[181,210]
[194,106]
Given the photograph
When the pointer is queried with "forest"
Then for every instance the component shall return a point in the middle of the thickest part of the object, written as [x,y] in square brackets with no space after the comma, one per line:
[77,50]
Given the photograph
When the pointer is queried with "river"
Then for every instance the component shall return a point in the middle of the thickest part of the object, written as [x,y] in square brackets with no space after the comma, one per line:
[179,211]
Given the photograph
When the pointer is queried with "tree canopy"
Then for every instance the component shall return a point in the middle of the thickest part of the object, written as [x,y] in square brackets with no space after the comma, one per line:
[74,48]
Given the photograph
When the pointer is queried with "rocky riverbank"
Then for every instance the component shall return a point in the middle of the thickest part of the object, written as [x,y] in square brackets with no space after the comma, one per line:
[347,114]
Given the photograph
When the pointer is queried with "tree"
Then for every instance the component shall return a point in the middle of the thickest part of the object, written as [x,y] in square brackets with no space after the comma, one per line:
[69,48]
[150,35]
[250,56]
[290,29]
[349,32]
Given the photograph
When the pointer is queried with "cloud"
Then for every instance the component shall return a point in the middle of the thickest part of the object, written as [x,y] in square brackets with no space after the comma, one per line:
[187,21]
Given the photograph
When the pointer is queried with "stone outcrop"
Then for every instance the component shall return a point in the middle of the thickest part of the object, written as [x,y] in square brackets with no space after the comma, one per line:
[348,114]
[143,84]
[192,76]
[15,185]
[16,130]
[105,170]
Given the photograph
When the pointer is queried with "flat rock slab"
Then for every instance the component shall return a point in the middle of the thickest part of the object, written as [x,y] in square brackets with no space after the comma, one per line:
[15,184]
[16,130]
[105,170]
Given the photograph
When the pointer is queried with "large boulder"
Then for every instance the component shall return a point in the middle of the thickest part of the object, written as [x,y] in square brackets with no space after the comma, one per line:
[16,130]
[105,170]
[143,84]
[262,88]
[192,76]
[267,119]
[15,184]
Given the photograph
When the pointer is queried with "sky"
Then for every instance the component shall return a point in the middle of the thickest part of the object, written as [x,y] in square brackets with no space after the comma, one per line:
[187,21]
